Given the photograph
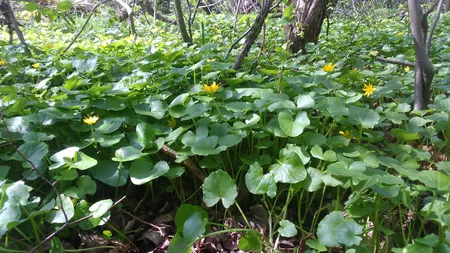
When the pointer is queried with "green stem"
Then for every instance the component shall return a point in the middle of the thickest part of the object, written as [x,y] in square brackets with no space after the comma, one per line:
[243,215]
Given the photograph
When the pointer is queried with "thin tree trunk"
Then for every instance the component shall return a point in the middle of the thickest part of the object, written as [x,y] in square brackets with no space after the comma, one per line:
[7,12]
[424,71]
[181,23]
[309,17]
[253,34]
[447,6]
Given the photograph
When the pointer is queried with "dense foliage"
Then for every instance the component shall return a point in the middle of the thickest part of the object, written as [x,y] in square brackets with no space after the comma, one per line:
[326,143]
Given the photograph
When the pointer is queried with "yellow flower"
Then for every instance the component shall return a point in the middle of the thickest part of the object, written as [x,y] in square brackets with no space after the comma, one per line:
[212,88]
[2,62]
[210,60]
[368,89]
[400,33]
[373,53]
[172,122]
[329,67]
[407,69]
[91,120]
[346,134]
[36,65]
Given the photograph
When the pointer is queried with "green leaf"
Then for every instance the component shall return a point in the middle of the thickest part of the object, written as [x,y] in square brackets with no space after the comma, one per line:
[179,244]
[289,169]
[18,193]
[64,5]
[291,127]
[31,6]
[287,229]
[82,161]
[434,180]
[185,211]
[81,211]
[259,183]
[314,244]
[417,248]
[367,118]
[194,226]
[155,109]
[33,151]
[57,216]
[85,182]
[56,246]
[334,230]
[4,171]
[100,208]
[108,125]
[59,157]
[142,170]
[305,102]
[250,241]
[145,134]
[110,173]
[126,154]
[219,186]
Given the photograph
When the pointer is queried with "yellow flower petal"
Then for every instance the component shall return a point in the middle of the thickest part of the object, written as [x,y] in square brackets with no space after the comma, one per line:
[36,65]
[2,62]
[368,89]
[407,69]
[91,120]
[212,88]
[329,67]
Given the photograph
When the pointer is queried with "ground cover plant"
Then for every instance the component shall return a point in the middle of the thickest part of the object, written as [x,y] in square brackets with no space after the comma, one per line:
[145,143]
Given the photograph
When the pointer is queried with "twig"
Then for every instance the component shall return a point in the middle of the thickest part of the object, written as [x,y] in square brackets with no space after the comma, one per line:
[438,13]
[405,63]
[142,221]
[48,238]
[85,24]
[428,12]
[35,169]
[237,41]
[275,6]
[189,164]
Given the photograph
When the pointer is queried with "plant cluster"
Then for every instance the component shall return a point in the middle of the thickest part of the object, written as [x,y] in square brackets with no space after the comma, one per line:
[326,142]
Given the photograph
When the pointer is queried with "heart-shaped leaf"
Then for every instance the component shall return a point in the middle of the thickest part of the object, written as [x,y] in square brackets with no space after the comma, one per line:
[291,127]
[219,186]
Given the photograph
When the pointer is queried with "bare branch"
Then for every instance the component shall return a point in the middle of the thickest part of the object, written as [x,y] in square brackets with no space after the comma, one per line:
[393,61]
[436,19]
[48,238]
[84,25]
[186,163]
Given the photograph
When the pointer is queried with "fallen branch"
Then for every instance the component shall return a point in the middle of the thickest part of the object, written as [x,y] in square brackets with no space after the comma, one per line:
[189,164]
[393,61]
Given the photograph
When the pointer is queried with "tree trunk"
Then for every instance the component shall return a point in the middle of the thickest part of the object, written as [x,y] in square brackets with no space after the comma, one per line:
[309,16]
[424,71]
[253,34]
[181,23]
[7,12]
[447,6]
